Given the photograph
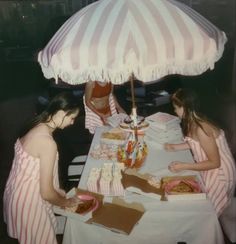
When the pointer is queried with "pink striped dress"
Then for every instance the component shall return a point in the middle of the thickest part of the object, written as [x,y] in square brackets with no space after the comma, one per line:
[220,182]
[92,120]
[29,218]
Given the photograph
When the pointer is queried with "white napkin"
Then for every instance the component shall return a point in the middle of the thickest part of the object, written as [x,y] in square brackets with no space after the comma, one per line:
[138,191]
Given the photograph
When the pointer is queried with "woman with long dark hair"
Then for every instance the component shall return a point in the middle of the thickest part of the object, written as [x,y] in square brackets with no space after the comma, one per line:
[210,149]
[32,187]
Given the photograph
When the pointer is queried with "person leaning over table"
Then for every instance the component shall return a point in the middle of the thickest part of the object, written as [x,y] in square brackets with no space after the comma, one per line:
[100,103]
[210,150]
[32,187]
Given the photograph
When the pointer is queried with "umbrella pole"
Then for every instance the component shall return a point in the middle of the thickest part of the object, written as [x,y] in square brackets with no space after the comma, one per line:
[132,91]
[134,109]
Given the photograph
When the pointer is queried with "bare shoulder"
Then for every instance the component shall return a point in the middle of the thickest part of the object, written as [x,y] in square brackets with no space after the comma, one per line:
[207,139]
[207,130]
[46,146]
[46,141]
[37,141]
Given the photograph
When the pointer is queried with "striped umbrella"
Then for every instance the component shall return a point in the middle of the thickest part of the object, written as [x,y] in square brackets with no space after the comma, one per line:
[116,39]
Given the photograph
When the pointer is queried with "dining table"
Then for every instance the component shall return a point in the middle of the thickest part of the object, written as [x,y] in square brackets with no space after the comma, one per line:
[163,222]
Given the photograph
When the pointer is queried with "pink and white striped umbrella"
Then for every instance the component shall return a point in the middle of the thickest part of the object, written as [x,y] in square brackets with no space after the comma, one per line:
[114,39]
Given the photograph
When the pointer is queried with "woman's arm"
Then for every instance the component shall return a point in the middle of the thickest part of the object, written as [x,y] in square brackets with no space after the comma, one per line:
[176,147]
[47,154]
[209,146]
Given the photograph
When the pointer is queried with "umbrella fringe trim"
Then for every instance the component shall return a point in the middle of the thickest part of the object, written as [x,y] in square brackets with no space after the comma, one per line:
[122,75]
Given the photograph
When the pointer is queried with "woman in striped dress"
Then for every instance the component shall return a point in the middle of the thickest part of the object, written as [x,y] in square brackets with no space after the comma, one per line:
[32,186]
[210,150]
[100,103]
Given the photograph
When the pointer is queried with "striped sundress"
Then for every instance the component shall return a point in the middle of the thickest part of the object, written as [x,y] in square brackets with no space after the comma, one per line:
[219,183]
[29,218]
[92,120]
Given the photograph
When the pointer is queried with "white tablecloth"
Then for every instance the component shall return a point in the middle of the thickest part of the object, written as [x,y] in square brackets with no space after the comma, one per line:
[190,221]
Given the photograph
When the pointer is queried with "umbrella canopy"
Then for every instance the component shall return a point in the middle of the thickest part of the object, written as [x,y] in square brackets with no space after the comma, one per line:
[114,39]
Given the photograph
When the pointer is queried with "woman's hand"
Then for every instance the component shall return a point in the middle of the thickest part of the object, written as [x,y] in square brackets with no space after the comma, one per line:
[104,118]
[61,192]
[169,147]
[72,202]
[177,166]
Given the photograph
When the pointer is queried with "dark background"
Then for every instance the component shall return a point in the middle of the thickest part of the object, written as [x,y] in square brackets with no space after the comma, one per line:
[27,26]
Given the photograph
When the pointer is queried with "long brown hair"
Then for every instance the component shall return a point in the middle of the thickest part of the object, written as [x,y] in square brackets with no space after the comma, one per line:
[188,99]
[65,101]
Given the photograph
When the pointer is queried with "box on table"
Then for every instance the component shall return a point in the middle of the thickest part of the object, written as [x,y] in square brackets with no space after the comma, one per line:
[193,191]
[163,120]
[117,216]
